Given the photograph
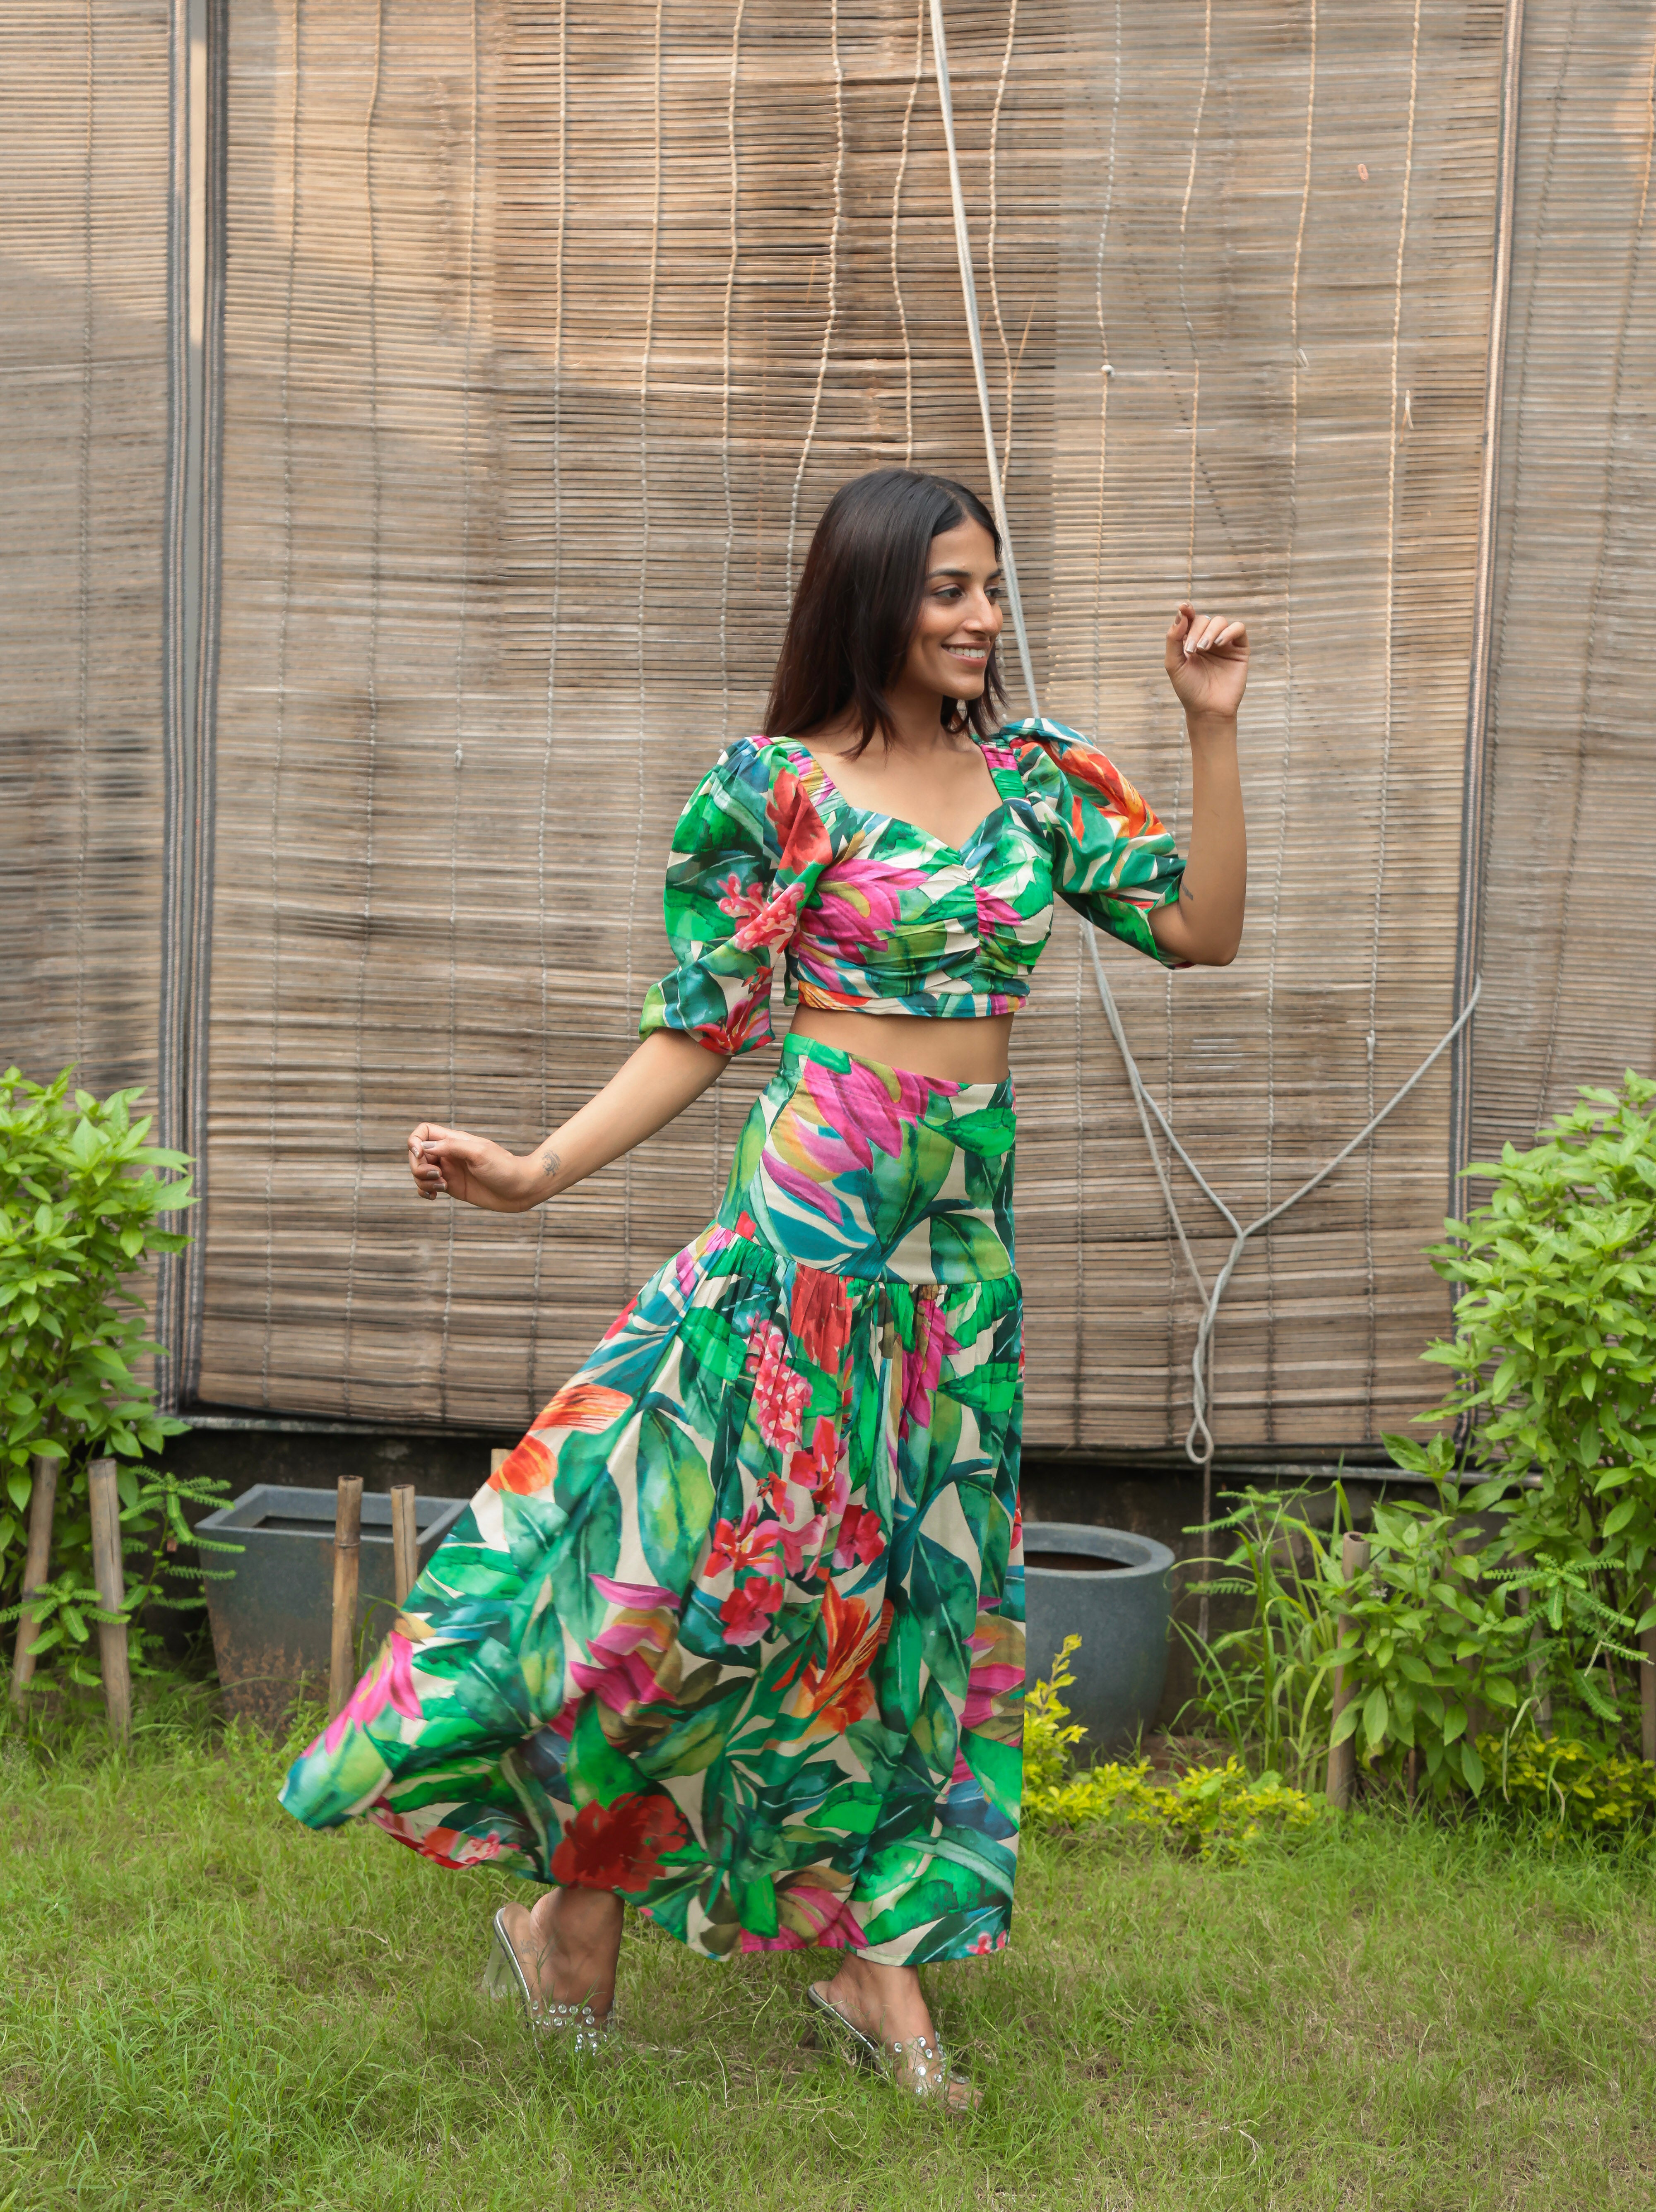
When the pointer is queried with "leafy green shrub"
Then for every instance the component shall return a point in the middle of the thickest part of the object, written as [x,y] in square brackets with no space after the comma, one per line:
[1427,1637]
[1214,1812]
[1554,1365]
[82,1204]
[1263,1687]
[1572,1784]
[1430,1641]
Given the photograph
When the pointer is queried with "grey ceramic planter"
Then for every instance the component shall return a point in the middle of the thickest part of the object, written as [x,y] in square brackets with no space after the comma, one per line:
[272,1624]
[1121,1613]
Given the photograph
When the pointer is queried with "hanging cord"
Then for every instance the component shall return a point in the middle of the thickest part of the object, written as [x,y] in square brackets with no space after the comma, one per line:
[1199,1441]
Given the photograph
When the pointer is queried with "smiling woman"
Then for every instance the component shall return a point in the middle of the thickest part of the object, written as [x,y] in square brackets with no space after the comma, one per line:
[736,1633]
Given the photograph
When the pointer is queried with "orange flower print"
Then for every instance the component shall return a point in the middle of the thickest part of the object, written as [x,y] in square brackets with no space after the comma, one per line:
[820,1319]
[528,1468]
[590,1406]
[798,827]
[834,1690]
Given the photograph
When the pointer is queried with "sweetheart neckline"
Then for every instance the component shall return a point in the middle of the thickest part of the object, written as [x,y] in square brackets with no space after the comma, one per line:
[901,821]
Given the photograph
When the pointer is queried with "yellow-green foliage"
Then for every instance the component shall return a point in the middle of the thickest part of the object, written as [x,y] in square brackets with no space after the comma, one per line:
[1572,1784]
[1215,1812]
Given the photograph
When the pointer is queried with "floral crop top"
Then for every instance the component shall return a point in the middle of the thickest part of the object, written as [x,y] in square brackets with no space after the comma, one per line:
[879,917]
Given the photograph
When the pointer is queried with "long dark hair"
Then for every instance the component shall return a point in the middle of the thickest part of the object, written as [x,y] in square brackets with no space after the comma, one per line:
[858,601]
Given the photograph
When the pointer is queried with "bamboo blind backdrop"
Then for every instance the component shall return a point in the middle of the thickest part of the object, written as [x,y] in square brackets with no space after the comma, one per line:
[547,332]
[1570,922]
[83,372]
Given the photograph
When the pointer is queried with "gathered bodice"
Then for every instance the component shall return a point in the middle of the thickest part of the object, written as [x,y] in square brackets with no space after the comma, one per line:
[874,915]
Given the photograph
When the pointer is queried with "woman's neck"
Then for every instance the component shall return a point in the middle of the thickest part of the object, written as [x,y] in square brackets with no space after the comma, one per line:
[917,728]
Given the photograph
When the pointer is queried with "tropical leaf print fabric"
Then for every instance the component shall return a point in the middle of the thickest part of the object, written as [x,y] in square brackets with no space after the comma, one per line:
[737,1629]
[874,915]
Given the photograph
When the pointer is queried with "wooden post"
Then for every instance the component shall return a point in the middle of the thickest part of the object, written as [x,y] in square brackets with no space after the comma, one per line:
[42,1499]
[1343,1757]
[1647,1692]
[105,1503]
[347,1563]
[405,1540]
[1541,1717]
[498,1455]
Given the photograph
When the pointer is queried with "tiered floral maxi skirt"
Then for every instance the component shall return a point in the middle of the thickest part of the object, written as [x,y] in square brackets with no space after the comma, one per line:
[737,1630]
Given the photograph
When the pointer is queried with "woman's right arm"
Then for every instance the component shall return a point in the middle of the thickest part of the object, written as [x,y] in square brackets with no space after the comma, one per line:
[656,1084]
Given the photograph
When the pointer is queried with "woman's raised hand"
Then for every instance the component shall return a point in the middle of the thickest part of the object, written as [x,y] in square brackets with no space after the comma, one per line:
[1208,662]
[471,1168]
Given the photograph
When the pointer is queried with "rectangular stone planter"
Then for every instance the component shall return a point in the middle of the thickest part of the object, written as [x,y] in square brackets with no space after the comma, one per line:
[272,1623]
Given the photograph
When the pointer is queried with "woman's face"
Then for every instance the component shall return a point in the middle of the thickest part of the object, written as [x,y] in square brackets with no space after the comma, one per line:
[960,614]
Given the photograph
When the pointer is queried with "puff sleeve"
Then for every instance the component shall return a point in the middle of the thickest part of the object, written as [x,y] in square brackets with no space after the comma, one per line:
[1111,859]
[744,860]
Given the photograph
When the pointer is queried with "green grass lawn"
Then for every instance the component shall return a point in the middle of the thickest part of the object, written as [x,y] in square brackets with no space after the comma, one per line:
[205,2005]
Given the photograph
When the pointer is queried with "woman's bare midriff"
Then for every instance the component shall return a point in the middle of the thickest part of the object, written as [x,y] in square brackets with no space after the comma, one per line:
[948,1051]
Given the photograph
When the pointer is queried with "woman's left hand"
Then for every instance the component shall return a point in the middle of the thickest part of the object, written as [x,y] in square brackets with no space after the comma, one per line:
[1207,661]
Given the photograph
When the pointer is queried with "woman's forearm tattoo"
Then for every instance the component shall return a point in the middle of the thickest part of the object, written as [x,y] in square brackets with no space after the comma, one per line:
[550,1163]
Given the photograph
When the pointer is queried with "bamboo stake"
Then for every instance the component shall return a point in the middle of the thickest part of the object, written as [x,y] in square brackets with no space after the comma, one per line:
[1542,1719]
[1647,1695]
[347,1563]
[498,1455]
[43,1498]
[105,1503]
[1343,1757]
[405,1539]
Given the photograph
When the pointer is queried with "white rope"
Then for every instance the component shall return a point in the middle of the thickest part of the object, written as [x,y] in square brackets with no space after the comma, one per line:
[1198,1442]
[975,335]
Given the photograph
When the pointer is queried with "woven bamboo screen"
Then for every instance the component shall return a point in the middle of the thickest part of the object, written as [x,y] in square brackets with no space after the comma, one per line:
[1570,919]
[83,366]
[549,331]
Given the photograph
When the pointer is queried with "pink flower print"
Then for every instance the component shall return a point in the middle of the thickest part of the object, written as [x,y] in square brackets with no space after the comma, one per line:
[860,1115]
[984,1686]
[645,1594]
[451,1847]
[388,1681]
[623,1659]
[984,1945]
[748,1548]
[861,1539]
[993,912]
[737,901]
[800,1546]
[747,1611]
[780,1396]
[772,923]
[830,1921]
[858,899]
[923,1366]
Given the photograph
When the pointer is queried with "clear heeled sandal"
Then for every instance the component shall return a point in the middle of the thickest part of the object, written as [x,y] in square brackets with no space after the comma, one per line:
[504,1976]
[919,2068]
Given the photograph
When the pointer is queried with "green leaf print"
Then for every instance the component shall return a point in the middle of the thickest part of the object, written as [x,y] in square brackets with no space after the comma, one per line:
[591,1545]
[999,1767]
[963,1246]
[675,1499]
[712,1357]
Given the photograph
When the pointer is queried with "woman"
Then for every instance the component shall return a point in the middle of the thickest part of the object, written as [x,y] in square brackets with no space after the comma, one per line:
[735,1634]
